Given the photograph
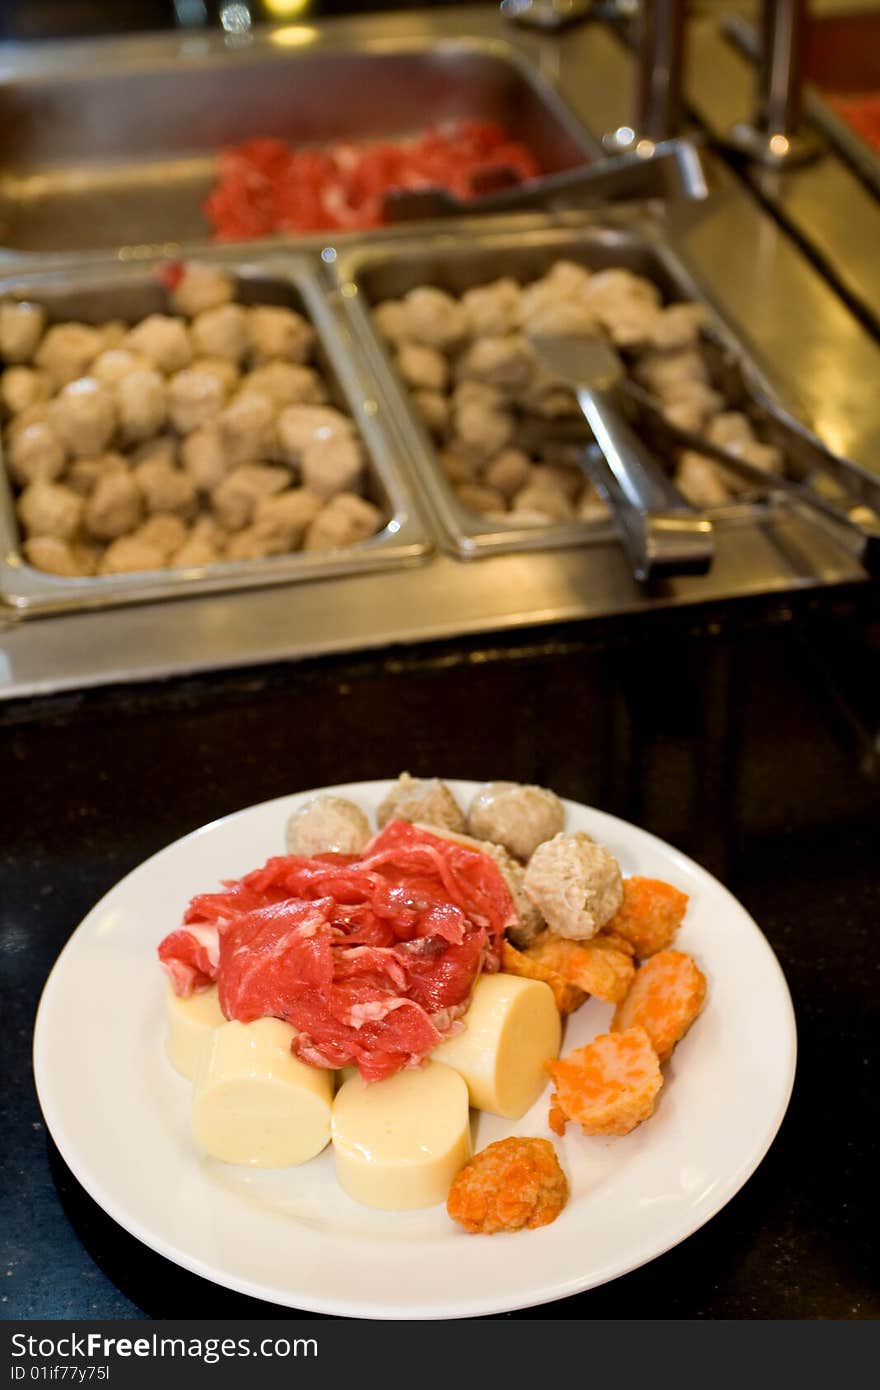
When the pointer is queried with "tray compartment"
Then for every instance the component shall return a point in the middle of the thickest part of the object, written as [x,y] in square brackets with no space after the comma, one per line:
[367,274]
[106,157]
[99,293]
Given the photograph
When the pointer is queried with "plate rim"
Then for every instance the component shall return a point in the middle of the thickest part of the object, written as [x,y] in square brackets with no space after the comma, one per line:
[344,1307]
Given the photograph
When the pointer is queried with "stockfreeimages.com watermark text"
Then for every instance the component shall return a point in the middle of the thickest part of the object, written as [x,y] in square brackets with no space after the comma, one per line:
[66,1350]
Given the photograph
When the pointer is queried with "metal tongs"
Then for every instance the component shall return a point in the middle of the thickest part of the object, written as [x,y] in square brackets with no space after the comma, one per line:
[675,169]
[826,487]
[662,534]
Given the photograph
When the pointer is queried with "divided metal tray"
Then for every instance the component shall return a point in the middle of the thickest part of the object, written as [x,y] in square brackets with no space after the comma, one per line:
[106,290]
[366,274]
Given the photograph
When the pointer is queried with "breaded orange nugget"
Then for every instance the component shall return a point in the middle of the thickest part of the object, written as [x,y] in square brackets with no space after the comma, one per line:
[596,966]
[607,1087]
[508,1185]
[567,995]
[650,915]
[667,994]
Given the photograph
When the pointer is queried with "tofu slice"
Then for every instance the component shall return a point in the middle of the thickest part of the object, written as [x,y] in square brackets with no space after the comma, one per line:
[255,1103]
[191,1022]
[399,1143]
[511,1028]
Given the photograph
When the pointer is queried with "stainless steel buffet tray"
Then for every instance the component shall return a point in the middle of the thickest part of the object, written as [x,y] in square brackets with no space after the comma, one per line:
[98,292]
[97,152]
[367,274]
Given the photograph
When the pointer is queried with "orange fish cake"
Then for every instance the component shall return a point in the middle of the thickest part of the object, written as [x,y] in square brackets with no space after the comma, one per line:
[509,1185]
[567,995]
[607,1087]
[667,994]
[596,966]
[650,914]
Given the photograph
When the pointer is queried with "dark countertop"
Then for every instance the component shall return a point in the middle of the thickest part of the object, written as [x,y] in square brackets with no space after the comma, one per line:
[749,739]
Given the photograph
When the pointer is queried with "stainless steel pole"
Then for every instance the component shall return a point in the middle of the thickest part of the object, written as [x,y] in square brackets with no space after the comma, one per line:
[776,136]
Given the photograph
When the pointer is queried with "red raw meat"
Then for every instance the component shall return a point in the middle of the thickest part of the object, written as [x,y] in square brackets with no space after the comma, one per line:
[372,959]
[264,186]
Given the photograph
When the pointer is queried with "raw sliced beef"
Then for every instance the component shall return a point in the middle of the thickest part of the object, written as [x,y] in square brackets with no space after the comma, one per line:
[372,959]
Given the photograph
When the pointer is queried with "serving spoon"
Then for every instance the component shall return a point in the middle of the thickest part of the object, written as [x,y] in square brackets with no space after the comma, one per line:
[661,533]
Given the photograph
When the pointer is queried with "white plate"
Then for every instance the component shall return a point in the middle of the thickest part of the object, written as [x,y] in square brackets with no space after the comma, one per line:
[119,1114]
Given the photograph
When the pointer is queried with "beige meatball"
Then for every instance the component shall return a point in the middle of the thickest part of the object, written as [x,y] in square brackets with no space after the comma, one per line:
[301,425]
[508,473]
[84,414]
[392,320]
[664,373]
[608,288]
[484,432]
[195,397]
[424,799]
[678,326]
[560,477]
[129,555]
[113,334]
[570,279]
[701,480]
[276,332]
[115,506]
[327,825]
[204,545]
[163,450]
[422,367]
[221,332]
[67,351]
[83,475]
[730,430]
[251,544]
[477,393]
[524,517]
[506,363]
[286,383]
[164,531]
[195,553]
[50,509]
[226,372]
[690,405]
[333,465]
[142,403]
[204,458]
[549,501]
[479,498]
[544,396]
[592,508]
[21,387]
[247,428]
[575,884]
[564,317]
[492,310]
[287,516]
[765,456]
[55,556]
[517,815]
[236,497]
[459,464]
[201,287]
[35,453]
[112,365]
[163,340]
[21,328]
[345,520]
[433,408]
[165,488]
[434,318]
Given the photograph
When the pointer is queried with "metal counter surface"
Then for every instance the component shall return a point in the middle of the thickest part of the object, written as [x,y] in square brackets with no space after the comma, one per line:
[773,297]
